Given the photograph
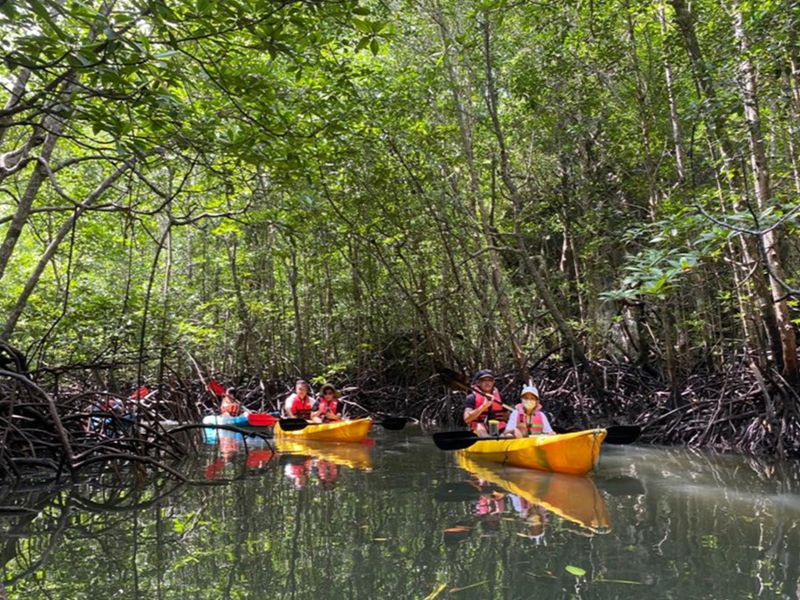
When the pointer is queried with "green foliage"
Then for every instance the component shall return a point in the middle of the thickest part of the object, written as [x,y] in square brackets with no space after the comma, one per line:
[342,156]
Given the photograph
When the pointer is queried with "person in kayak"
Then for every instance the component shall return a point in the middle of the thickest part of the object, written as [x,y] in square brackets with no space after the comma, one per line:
[299,404]
[528,418]
[231,406]
[484,405]
[326,409]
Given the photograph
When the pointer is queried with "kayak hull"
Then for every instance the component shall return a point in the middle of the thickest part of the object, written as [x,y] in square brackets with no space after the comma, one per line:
[570,453]
[339,431]
[575,499]
[211,435]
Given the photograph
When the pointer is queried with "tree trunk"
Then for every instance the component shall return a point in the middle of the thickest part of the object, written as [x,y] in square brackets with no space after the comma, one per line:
[760,168]
[535,271]
[66,227]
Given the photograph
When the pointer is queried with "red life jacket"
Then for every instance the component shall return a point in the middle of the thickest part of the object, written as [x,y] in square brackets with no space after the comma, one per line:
[231,409]
[494,410]
[300,408]
[324,406]
[529,424]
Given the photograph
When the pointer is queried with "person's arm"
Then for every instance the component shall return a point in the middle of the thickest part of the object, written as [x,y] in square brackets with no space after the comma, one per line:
[315,410]
[470,412]
[511,424]
[546,428]
[287,406]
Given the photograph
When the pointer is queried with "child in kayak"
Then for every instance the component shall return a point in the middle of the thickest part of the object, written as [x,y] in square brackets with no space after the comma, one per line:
[528,418]
[326,408]
[230,406]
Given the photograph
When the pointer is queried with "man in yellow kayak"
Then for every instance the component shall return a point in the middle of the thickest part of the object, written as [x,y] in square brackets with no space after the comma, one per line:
[298,405]
[527,419]
[484,407]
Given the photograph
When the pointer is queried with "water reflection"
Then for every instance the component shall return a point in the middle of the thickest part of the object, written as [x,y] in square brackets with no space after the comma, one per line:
[306,461]
[406,521]
[531,498]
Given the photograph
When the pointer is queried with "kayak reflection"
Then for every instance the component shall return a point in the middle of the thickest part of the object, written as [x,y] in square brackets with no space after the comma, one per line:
[305,460]
[229,445]
[532,494]
[354,456]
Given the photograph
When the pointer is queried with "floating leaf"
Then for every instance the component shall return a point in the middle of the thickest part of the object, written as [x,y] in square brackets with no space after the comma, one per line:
[457,529]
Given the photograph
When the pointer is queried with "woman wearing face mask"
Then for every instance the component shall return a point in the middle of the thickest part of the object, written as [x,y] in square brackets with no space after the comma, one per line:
[528,418]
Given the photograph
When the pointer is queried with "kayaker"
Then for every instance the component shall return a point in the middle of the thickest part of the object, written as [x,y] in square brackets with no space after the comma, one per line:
[299,404]
[326,408]
[484,405]
[527,419]
[230,406]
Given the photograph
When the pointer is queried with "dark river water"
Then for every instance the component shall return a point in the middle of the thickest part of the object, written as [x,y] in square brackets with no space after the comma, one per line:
[401,519]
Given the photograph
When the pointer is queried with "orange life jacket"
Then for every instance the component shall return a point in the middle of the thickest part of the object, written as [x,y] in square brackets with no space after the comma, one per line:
[231,409]
[495,409]
[529,424]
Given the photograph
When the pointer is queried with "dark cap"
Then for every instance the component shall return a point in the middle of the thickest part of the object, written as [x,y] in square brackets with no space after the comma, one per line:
[482,374]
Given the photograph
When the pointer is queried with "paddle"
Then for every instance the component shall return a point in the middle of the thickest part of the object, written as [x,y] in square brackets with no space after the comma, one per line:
[267,420]
[393,423]
[458,440]
[616,434]
[456,382]
[390,423]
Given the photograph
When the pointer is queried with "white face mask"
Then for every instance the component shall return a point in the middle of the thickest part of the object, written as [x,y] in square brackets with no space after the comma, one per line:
[529,404]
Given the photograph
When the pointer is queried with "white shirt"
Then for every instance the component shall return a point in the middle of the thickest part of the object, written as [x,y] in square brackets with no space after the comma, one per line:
[512,422]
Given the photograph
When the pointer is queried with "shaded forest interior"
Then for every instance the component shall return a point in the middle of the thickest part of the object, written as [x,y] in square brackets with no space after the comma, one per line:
[600,196]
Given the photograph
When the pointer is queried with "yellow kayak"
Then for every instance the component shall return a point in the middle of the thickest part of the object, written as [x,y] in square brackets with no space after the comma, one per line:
[354,456]
[338,431]
[571,453]
[575,499]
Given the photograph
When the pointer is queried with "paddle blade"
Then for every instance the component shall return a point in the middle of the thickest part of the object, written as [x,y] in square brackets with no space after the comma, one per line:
[454,380]
[393,423]
[616,434]
[215,387]
[622,434]
[454,440]
[261,420]
[140,393]
[293,424]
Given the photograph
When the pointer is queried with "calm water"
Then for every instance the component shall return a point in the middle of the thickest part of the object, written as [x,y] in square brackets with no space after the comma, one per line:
[403,519]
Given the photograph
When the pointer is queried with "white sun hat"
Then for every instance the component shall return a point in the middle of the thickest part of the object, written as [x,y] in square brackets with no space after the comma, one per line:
[529,389]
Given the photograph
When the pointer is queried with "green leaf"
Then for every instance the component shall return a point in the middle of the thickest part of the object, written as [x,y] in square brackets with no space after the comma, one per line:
[573,570]
[375,46]
[362,25]
[42,12]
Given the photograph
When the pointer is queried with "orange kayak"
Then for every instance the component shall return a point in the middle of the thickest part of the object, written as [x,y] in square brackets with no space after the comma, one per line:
[571,453]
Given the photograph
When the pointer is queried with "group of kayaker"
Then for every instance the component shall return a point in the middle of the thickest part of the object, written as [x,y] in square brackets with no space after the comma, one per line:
[298,405]
[487,415]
